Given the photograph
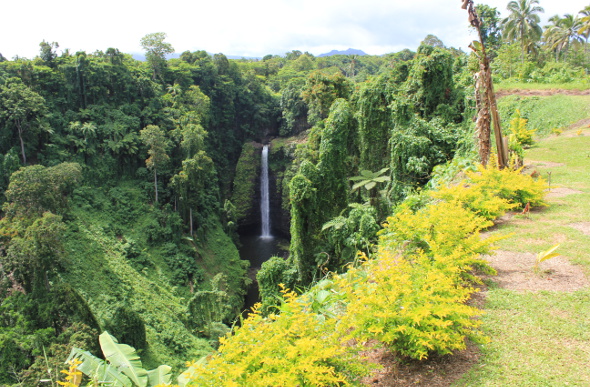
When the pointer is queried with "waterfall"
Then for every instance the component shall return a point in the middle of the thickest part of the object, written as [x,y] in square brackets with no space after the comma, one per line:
[264,195]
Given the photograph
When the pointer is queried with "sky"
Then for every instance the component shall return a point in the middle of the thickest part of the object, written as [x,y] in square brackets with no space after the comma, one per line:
[251,28]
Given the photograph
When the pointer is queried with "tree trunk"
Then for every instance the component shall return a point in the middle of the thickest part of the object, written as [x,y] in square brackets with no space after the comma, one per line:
[483,122]
[191,220]
[156,183]
[490,96]
[22,143]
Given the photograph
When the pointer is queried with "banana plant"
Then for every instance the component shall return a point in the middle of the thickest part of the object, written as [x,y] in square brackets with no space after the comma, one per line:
[122,367]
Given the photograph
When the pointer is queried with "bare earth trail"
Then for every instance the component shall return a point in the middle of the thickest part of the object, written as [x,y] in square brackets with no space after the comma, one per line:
[514,273]
[540,93]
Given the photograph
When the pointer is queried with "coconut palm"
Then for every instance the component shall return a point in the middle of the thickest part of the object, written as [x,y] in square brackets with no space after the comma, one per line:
[585,29]
[522,24]
[562,33]
[585,13]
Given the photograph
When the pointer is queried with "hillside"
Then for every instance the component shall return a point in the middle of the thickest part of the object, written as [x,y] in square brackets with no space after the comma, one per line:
[537,320]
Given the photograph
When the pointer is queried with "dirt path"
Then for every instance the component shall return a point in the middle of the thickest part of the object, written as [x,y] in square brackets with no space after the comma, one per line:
[541,93]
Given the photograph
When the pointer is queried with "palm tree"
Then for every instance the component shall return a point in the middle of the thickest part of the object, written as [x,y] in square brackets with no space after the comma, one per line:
[585,22]
[585,29]
[523,24]
[562,33]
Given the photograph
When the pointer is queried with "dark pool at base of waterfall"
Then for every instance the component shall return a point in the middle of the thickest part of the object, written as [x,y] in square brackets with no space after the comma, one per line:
[258,250]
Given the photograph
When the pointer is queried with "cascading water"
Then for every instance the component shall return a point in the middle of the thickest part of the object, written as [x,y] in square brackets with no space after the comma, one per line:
[259,247]
[264,196]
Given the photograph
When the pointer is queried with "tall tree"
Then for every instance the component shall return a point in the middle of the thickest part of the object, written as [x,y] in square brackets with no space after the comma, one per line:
[522,24]
[562,33]
[47,52]
[155,52]
[491,32]
[155,139]
[23,108]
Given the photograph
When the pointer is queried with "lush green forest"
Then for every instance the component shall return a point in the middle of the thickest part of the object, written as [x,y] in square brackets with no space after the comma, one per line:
[126,183]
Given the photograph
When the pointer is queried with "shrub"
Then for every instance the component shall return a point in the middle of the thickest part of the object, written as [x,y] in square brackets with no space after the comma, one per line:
[415,308]
[490,192]
[294,348]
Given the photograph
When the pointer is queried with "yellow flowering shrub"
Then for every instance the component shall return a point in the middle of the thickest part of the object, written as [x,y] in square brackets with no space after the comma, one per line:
[491,191]
[414,308]
[294,348]
[411,296]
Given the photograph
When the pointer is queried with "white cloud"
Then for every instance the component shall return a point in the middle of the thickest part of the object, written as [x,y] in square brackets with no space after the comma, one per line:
[249,28]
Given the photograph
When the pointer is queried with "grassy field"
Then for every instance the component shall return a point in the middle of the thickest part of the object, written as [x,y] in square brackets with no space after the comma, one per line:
[541,338]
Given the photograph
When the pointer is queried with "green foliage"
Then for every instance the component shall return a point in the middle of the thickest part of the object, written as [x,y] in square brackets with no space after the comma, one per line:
[208,307]
[347,235]
[431,87]
[374,121]
[321,90]
[416,148]
[273,274]
[295,347]
[410,304]
[156,49]
[490,192]
[22,109]
[246,181]
[30,258]
[518,128]
[122,367]
[335,147]
[35,189]
[545,113]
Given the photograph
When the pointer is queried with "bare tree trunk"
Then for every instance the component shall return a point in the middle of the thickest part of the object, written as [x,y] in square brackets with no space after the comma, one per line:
[483,122]
[156,183]
[191,220]
[22,143]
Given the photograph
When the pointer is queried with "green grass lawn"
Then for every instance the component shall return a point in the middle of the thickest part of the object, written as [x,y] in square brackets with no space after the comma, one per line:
[543,338]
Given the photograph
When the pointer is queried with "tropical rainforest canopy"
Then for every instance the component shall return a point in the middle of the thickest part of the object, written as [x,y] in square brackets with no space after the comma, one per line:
[125,183]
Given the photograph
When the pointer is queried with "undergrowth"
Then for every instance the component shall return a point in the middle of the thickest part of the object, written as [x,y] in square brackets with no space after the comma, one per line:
[409,296]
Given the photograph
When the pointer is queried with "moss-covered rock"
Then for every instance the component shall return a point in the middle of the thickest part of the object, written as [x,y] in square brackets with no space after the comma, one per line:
[246,193]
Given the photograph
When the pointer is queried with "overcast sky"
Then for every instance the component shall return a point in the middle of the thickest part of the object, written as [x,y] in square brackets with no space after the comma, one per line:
[245,27]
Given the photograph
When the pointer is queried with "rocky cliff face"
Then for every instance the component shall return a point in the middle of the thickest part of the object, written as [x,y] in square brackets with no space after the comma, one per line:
[246,187]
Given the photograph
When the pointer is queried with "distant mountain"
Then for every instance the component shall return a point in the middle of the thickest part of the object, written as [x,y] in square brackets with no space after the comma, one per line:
[350,51]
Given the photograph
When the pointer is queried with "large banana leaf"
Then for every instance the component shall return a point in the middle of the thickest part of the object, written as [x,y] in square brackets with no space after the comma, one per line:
[124,358]
[92,366]
[160,375]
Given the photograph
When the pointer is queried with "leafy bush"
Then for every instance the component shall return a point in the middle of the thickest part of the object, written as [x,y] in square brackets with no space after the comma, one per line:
[490,192]
[294,348]
[518,128]
[415,307]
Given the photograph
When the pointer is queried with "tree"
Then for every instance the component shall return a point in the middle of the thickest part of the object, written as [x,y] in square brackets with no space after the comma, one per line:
[155,52]
[47,52]
[562,33]
[22,107]
[36,189]
[432,40]
[522,24]
[491,32]
[36,253]
[321,90]
[155,139]
[195,187]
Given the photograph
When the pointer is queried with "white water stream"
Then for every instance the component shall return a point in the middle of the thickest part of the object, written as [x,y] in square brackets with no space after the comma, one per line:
[264,196]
